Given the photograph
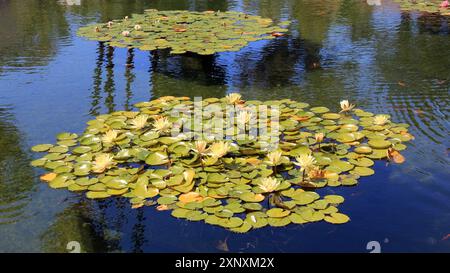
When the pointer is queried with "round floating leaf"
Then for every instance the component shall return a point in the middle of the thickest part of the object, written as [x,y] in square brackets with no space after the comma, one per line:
[277,213]
[363,171]
[337,218]
[41,147]
[334,199]
[251,197]
[278,222]
[97,194]
[379,143]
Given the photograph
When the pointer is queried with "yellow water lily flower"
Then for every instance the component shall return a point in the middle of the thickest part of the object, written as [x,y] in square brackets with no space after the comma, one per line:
[139,122]
[244,117]
[233,98]
[162,124]
[319,137]
[346,106]
[102,162]
[200,147]
[380,119]
[110,136]
[219,149]
[305,161]
[269,184]
[274,158]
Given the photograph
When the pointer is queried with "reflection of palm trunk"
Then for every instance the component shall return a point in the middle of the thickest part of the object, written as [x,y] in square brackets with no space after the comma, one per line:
[109,87]
[129,75]
[138,235]
[95,96]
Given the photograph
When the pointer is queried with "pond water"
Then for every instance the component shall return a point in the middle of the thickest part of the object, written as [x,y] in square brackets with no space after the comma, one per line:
[378,57]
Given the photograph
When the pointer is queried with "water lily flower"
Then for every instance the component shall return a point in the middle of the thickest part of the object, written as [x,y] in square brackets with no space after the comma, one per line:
[274,158]
[126,33]
[139,122]
[380,119]
[200,147]
[162,124]
[305,161]
[97,29]
[346,106]
[234,98]
[102,162]
[109,24]
[219,149]
[244,117]
[110,136]
[269,184]
[319,137]
[126,18]
[137,27]
[445,4]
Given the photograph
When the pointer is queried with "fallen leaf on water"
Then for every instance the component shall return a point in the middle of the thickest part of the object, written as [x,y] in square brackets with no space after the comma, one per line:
[299,118]
[162,207]
[395,156]
[48,177]
[253,161]
[401,83]
[190,197]
[223,245]
[277,34]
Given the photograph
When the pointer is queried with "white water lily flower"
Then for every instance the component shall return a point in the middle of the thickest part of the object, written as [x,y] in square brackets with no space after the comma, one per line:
[200,147]
[102,162]
[162,124]
[380,119]
[126,33]
[233,98]
[137,27]
[319,137]
[346,106]
[110,23]
[110,136]
[305,161]
[139,122]
[269,184]
[244,117]
[274,158]
[219,149]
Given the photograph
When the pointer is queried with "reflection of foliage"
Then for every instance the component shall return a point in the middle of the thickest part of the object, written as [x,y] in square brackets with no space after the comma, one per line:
[72,224]
[28,29]
[16,177]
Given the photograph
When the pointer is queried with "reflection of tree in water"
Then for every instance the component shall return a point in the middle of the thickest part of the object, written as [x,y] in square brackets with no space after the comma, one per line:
[16,175]
[118,9]
[420,63]
[96,89]
[72,224]
[30,30]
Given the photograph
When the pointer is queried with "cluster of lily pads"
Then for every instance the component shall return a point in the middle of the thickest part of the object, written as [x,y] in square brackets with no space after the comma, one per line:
[431,6]
[231,182]
[204,33]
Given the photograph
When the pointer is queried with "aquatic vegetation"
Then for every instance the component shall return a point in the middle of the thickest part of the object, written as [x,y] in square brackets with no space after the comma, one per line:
[168,154]
[204,33]
[431,6]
